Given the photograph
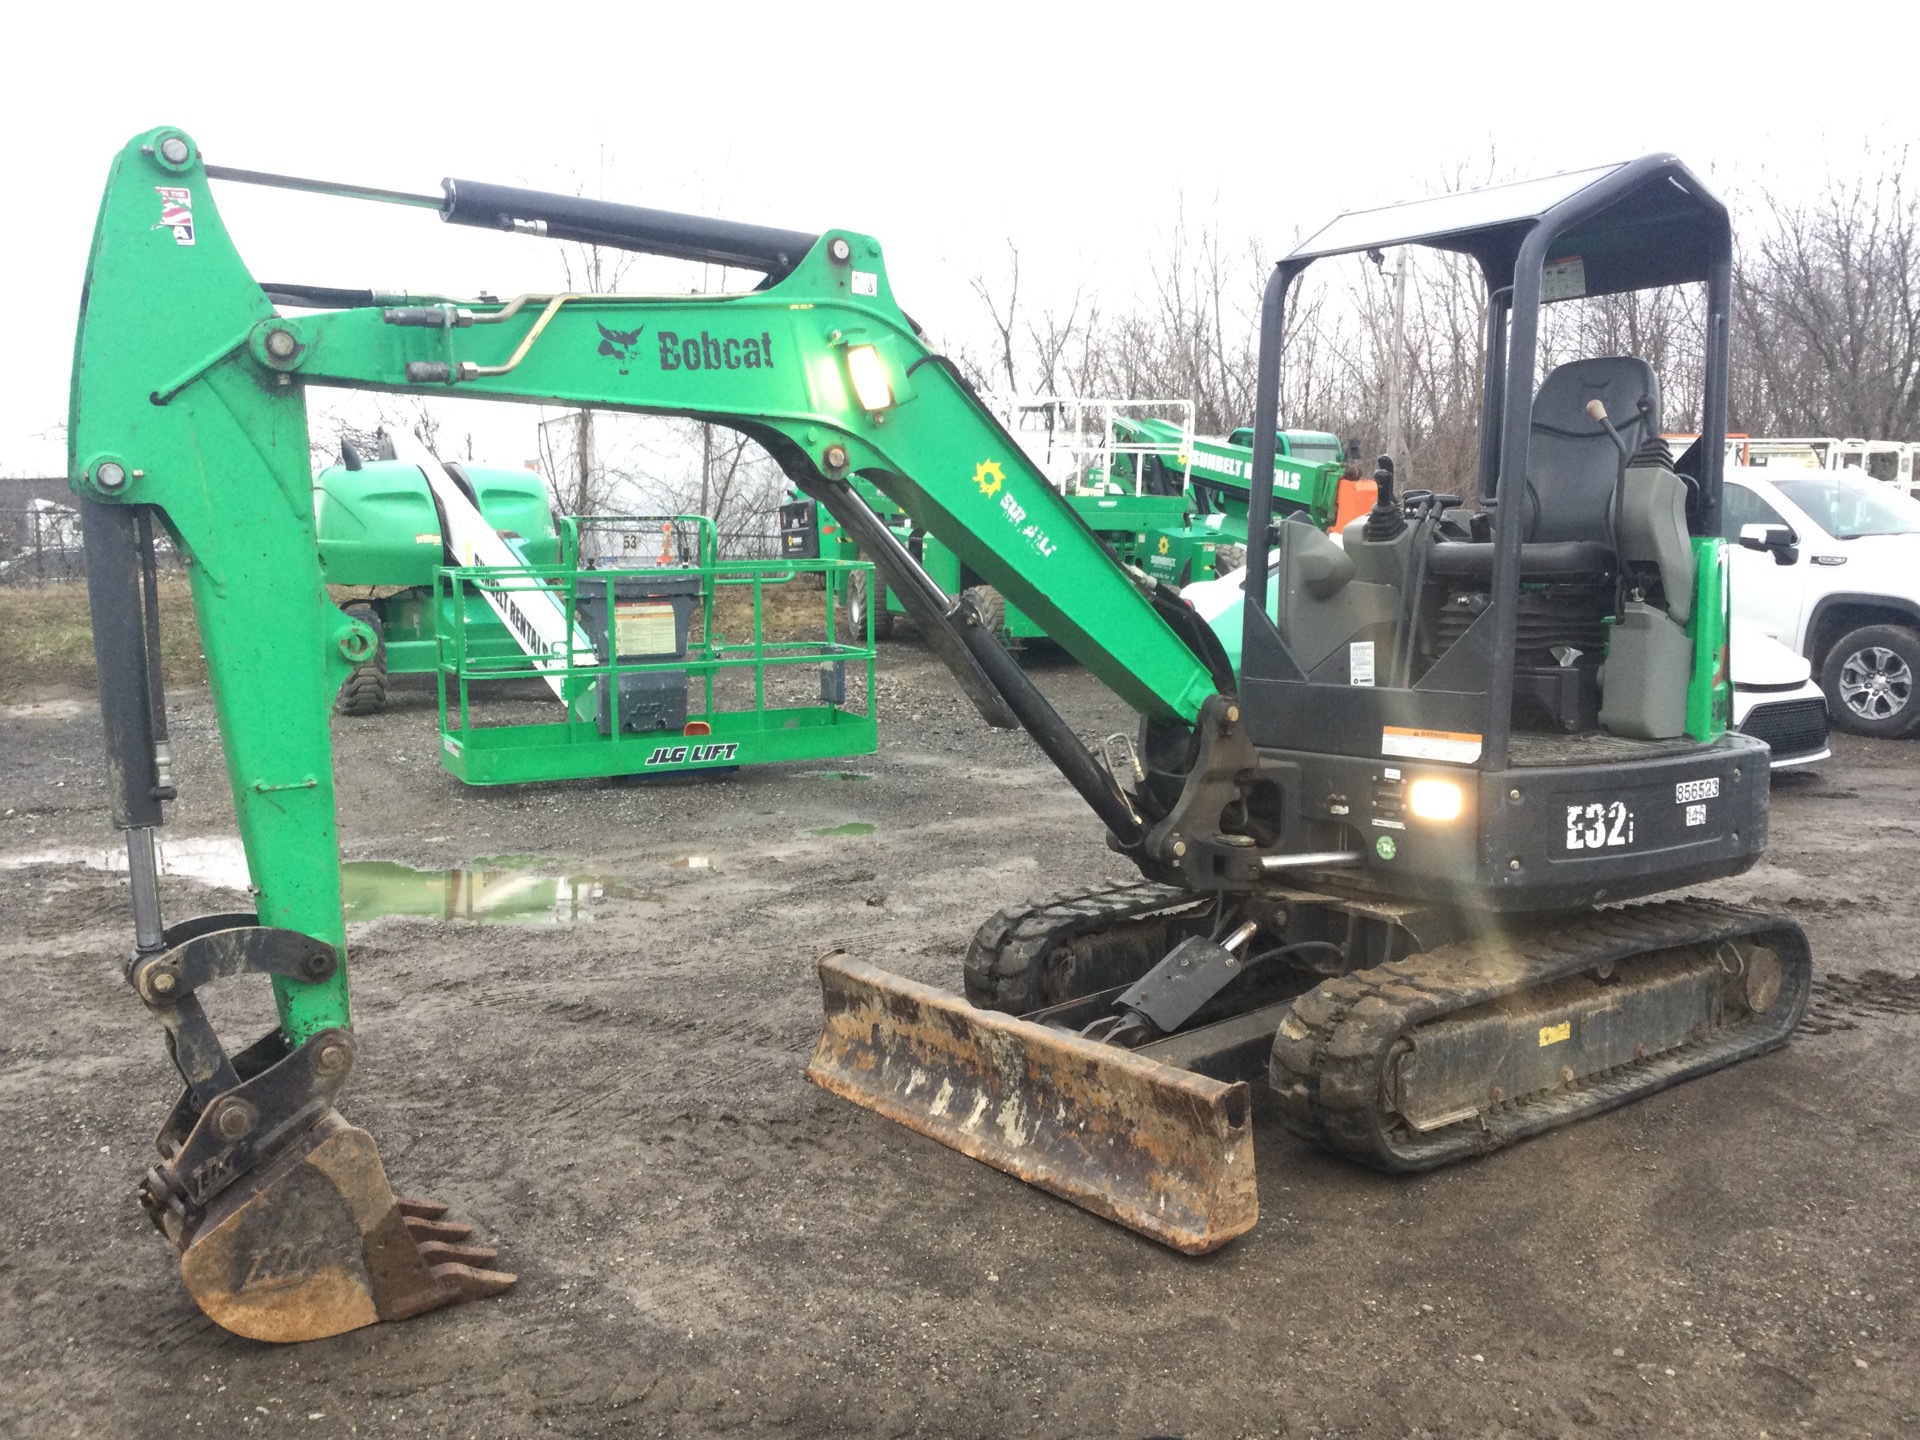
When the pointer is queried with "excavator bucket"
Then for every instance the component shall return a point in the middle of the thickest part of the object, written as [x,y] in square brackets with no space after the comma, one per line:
[315,1243]
[1162,1150]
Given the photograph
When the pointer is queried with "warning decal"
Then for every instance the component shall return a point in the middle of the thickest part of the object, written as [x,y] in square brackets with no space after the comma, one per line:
[1458,747]
[176,212]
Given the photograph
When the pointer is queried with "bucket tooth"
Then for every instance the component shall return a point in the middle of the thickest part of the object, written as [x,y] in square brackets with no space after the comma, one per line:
[314,1243]
[437,1252]
[1161,1150]
[448,1231]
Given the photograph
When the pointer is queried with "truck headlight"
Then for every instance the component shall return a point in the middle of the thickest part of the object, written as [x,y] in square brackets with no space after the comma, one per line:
[1435,799]
[869,374]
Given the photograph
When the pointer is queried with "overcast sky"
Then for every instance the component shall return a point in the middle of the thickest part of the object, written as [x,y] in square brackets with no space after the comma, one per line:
[941,129]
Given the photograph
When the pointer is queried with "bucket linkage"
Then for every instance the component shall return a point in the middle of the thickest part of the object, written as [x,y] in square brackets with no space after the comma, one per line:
[280,1211]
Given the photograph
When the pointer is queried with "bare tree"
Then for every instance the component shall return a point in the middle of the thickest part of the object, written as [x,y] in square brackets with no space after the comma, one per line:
[1828,310]
[1826,330]
[582,483]
[331,427]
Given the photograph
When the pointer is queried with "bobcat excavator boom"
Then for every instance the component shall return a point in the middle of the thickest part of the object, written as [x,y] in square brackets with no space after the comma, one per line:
[188,414]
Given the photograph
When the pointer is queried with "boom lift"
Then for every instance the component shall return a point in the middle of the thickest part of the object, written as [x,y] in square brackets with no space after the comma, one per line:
[497,609]
[1120,463]
[1404,871]
[381,533]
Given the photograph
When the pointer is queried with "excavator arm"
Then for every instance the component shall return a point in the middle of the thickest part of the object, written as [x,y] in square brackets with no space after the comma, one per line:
[188,413]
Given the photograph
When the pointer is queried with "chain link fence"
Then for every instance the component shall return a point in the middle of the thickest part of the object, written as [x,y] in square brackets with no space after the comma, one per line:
[40,546]
[748,544]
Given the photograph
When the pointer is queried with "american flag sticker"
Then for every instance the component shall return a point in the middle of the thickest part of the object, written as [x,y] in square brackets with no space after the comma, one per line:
[176,213]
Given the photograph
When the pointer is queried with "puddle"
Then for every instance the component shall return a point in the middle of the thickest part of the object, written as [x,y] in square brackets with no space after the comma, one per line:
[855,827]
[490,890]
[838,775]
[373,888]
[215,860]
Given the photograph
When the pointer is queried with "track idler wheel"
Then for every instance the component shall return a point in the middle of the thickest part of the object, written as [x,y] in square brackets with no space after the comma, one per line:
[314,1243]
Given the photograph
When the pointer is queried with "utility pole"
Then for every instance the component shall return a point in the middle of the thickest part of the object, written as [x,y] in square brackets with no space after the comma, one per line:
[1396,358]
[583,462]
[706,465]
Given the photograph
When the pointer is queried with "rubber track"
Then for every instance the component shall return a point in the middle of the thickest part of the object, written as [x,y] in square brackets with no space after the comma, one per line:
[1005,960]
[1330,1057]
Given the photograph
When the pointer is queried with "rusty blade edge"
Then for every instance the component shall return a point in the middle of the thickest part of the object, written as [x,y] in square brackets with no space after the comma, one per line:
[1215,1153]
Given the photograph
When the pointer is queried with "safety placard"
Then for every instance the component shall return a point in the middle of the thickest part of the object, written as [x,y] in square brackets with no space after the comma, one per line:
[1458,747]
[1563,279]
[643,627]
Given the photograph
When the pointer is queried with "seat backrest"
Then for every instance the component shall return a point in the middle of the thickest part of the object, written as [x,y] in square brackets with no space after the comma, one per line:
[1573,464]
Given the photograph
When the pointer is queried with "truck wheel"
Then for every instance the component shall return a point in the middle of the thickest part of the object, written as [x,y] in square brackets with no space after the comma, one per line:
[1872,680]
[865,590]
[365,690]
[991,604]
[1227,559]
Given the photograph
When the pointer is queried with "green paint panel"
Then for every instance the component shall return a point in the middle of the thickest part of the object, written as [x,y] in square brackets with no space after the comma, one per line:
[1710,688]
[575,749]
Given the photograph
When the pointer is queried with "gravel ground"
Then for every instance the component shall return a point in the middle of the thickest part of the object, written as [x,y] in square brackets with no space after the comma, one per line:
[706,1244]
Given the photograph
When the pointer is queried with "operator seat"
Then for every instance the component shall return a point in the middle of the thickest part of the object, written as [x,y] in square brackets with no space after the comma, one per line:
[1573,469]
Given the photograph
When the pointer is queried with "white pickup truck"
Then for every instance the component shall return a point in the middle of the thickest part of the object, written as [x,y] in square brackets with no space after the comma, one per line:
[1828,563]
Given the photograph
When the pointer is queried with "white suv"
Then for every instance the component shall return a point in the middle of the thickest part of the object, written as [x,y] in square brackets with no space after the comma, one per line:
[1828,563]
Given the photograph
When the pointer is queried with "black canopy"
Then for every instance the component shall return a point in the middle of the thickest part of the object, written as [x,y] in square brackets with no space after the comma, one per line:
[1631,225]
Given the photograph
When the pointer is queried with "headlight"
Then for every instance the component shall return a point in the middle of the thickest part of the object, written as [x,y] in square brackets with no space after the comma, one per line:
[869,374]
[1435,799]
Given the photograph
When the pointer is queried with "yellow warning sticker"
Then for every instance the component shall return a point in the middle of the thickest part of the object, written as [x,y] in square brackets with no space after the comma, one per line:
[1554,1034]
[1458,746]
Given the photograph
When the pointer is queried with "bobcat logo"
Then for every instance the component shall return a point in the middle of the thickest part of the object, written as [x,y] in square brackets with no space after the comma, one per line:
[619,344]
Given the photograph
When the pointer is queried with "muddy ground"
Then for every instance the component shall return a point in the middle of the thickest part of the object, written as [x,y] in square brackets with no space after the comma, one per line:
[707,1244]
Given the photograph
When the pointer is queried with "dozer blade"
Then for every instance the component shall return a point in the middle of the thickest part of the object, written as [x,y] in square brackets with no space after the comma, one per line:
[315,1242]
[1161,1150]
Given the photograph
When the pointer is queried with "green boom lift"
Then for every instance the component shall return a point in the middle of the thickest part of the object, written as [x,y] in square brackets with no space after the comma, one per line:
[1369,861]
[379,533]
[653,585]
[1120,468]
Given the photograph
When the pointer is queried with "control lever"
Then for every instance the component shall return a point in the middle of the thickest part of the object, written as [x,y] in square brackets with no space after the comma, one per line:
[1421,503]
[1598,410]
[1384,521]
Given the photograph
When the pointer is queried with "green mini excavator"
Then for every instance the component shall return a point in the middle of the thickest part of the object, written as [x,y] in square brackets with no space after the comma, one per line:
[1380,865]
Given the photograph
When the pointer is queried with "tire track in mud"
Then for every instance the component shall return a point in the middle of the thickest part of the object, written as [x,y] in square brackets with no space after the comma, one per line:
[1843,1002]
